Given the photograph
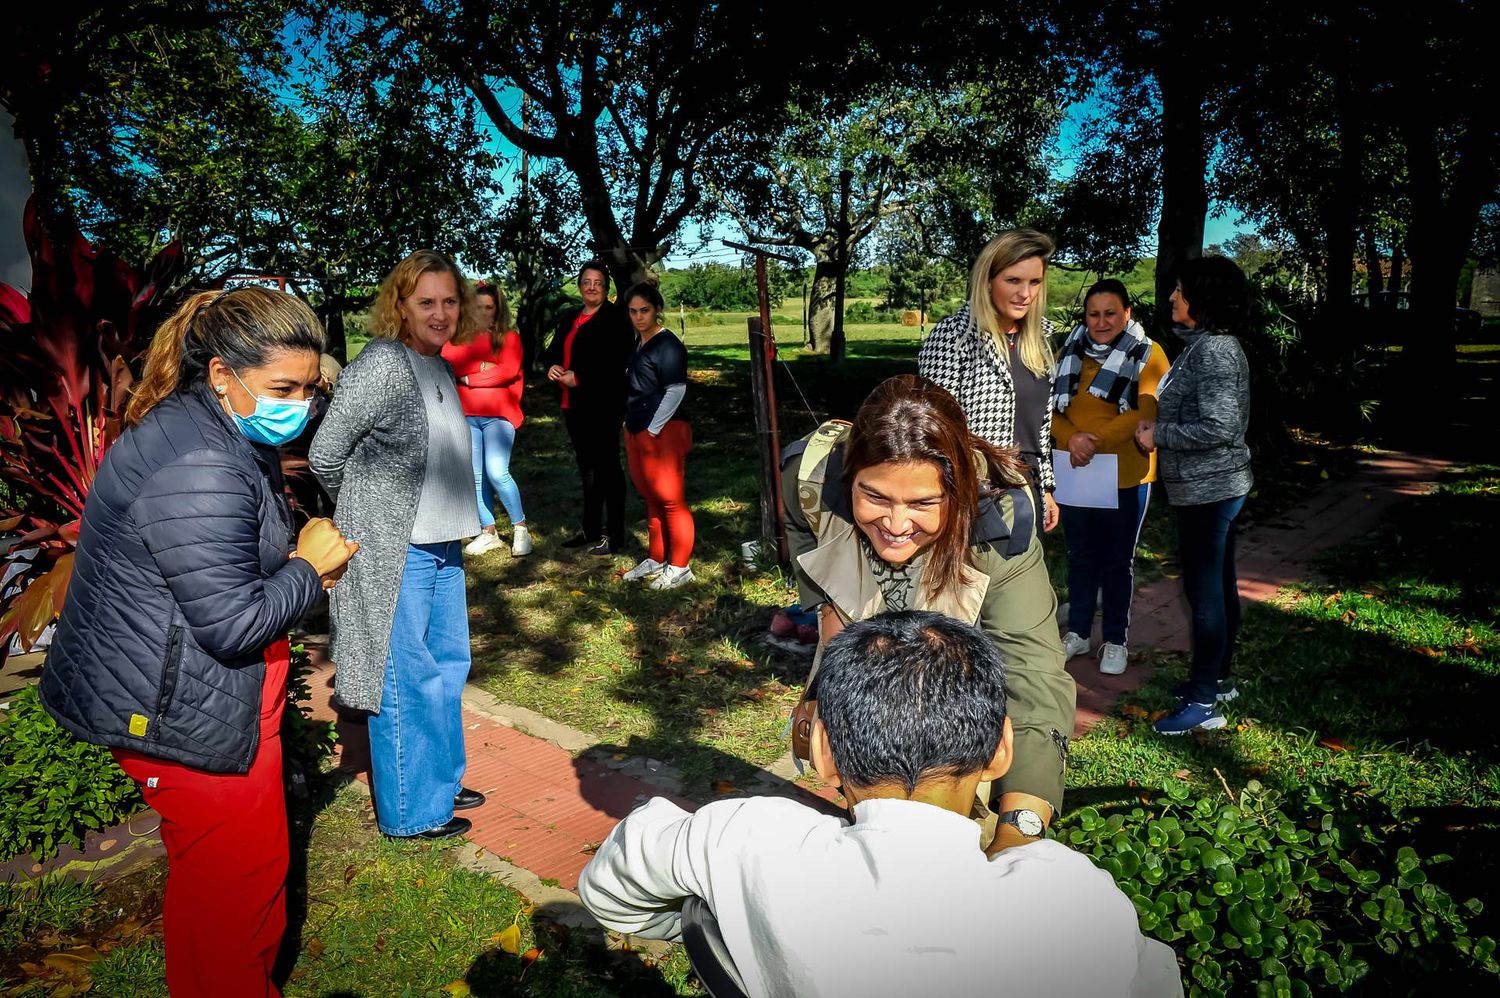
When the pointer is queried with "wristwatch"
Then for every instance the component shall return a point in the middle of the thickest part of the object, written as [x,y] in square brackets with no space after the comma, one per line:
[1027,822]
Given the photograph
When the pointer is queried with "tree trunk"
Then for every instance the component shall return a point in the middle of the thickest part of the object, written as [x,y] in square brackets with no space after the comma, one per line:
[1398,267]
[1184,188]
[820,305]
[1374,282]
[338,343]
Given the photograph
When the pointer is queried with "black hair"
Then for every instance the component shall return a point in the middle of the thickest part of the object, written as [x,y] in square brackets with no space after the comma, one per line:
[1108,286]
[647,290]
[1217,293]
[909,695]
[600,266]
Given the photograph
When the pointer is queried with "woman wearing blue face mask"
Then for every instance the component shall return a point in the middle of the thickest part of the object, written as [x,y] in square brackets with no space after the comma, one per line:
[172,646]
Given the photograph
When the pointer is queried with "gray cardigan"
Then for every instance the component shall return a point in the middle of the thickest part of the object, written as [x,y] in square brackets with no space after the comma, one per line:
[1202,413]
[371,456]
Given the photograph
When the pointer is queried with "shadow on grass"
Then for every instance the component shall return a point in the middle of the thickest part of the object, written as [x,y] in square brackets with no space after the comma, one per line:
[568,962]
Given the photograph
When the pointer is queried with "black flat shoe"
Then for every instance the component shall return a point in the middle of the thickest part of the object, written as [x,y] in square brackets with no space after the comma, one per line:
[466,799]
[455,826]
[579,540]
[603,548]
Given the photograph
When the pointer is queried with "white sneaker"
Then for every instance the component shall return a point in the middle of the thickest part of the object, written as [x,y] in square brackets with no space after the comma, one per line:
[648,569]
[486,541]
[1112,659]
[1073,645]
[520,544]
[671,577]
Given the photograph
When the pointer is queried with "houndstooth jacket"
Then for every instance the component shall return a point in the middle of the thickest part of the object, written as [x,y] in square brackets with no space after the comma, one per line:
[967,363]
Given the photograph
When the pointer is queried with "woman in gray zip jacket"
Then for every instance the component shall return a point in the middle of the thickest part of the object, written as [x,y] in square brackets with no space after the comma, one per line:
[1203,412]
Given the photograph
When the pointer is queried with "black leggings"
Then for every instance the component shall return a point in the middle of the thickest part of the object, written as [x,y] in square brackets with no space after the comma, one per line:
[596,445]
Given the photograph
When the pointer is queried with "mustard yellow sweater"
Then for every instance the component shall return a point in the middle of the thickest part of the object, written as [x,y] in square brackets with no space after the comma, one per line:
[1115,429]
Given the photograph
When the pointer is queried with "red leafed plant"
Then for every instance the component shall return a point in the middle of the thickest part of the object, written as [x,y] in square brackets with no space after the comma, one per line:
[65,373]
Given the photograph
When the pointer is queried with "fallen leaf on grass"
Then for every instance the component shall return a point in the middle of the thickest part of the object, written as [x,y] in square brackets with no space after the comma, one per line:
[1334,745]
[1430,652]
[1347,617]
[35,970]
[723,787]
[509,940]
[532,956]
[575,593]
[1134,711]
[700,672]
[456,988]
[1182,774]
[629,627]
[589,848]
[315,947]
[380,943]
[1156,715]
[349,872]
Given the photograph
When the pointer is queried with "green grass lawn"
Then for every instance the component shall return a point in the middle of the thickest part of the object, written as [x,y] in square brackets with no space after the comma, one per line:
[378,917]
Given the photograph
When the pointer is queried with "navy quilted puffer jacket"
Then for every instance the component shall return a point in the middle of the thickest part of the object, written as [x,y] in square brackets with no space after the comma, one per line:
[180,582]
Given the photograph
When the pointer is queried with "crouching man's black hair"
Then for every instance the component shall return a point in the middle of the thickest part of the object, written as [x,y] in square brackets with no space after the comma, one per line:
[909,696]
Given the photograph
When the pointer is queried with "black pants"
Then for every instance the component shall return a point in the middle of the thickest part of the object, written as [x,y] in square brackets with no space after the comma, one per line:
[1205,543]
[596,445]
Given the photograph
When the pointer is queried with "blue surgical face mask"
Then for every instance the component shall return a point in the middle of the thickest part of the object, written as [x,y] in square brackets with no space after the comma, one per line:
[274,421]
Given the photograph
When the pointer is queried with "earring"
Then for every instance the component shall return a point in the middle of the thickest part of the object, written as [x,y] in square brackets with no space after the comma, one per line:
[221,389]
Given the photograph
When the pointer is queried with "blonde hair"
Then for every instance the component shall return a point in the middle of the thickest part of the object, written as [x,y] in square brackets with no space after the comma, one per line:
[1006,250]
[385,318]
[503,320]
[243,328]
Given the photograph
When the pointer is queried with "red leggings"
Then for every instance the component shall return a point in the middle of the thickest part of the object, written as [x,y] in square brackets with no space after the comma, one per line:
[658,466]
[226,840]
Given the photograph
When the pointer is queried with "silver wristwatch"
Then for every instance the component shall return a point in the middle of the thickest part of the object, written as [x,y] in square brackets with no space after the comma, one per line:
[1026,821]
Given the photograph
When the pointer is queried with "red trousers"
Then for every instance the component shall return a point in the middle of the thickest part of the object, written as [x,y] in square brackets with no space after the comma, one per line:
[226,840]
[658,466]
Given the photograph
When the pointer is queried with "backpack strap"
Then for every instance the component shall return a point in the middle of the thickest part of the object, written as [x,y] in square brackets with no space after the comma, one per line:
[990,526]
[818,470]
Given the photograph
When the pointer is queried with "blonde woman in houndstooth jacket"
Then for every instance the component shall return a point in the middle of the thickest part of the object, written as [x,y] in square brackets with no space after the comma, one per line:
[994,355]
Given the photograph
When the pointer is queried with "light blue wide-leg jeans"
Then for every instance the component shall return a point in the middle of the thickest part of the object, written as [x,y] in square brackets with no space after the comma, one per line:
[417,756]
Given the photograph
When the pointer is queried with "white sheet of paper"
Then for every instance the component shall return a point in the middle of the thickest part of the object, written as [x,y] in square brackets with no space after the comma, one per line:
[1096,484]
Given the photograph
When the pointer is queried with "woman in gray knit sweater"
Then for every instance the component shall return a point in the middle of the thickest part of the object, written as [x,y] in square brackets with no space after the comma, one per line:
[394,452]
[1203,412]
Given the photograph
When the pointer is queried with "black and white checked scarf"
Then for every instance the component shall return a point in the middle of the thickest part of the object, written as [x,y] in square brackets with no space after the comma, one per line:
[1118,375]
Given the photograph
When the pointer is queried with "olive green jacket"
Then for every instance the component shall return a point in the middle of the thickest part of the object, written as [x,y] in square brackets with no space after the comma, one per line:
[1005,592]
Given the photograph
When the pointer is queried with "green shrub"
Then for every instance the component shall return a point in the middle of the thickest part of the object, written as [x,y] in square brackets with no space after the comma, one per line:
[305,741]
[860,311]
[54,788]
[944,307]
[1284,901]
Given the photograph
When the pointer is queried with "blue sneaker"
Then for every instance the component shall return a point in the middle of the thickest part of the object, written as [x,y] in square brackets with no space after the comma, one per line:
[1227,691]
[1190,716]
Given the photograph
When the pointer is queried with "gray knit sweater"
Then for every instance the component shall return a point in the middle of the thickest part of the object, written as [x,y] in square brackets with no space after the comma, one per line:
[371,456]
[1202,413]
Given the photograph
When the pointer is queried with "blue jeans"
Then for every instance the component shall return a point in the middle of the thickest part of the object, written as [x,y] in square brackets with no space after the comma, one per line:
[1101,553]
[491,440]
[1206,546]
[417,740]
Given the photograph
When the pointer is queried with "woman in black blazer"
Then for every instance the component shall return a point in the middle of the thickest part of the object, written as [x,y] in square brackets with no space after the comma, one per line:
[586,359]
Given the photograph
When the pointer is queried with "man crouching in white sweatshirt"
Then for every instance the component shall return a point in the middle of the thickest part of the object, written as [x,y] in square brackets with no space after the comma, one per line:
[902,901]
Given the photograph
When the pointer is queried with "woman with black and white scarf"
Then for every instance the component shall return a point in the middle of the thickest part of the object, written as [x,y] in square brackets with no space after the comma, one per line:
[1107,377]
[994,355]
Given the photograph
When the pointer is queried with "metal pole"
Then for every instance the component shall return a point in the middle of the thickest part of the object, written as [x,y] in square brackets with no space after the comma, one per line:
[773,443]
